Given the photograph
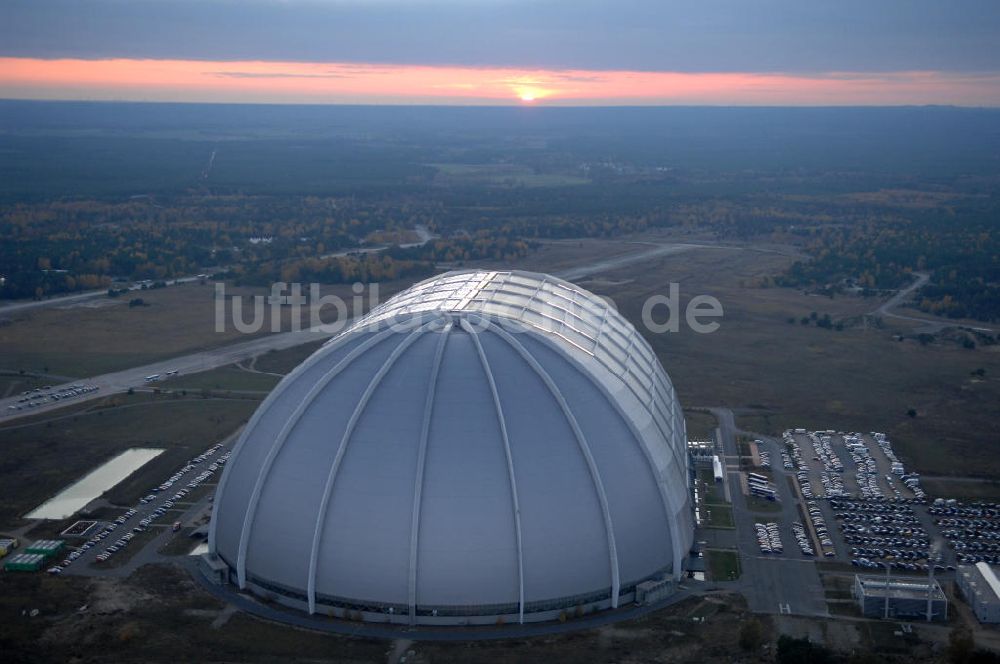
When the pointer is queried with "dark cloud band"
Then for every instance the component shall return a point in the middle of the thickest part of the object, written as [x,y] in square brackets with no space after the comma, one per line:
[708,35]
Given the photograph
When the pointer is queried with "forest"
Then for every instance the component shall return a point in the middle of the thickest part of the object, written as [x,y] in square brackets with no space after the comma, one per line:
[93,195]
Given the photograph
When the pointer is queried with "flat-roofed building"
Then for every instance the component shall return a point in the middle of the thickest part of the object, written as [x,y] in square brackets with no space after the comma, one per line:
[981,589]
[24,562]
[900,597]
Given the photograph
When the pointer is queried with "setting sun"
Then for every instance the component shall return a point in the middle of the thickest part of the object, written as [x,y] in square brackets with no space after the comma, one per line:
[341,82]
[530,92]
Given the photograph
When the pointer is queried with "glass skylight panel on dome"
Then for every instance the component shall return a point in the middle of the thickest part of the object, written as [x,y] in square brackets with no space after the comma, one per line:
[557,309]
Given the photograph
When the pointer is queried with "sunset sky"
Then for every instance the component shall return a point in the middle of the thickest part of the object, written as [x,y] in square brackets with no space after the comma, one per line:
[556,52]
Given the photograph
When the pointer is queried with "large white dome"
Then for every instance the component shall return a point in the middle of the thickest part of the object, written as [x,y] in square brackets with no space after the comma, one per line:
[484,444]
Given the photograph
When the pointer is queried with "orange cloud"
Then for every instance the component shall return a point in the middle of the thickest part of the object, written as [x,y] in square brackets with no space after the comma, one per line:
[299,82]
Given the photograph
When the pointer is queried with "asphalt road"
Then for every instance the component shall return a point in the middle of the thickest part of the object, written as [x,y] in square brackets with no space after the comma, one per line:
[931,325]
[121,381]
[656,251]
[65,300]
[787,583]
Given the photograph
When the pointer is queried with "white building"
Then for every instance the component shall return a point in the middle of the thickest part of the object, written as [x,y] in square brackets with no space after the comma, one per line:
[981,589]
[900,597]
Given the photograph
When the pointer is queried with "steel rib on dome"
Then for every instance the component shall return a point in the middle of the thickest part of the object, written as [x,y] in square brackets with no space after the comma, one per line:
[588,324]
[321,514]
[570,321]
[510,471]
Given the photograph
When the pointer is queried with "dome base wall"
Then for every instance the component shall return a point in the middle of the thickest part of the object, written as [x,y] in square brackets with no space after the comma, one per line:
[450,616]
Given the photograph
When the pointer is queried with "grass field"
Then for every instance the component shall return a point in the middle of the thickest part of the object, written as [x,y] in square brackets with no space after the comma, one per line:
[283,361]
[700,425]
[11,385]
[723,564]
[716,512]
[743,445]
[718,515]
[961,489]
[261,374]
[777,375]
[229,377]
[42,458]
[105,334]
[181,544]
[712,490]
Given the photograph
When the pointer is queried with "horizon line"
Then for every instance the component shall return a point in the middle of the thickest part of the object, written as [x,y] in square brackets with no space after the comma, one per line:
[338,83]
[486,106]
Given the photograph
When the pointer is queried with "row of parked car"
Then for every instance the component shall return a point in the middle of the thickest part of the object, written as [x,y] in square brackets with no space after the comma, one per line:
[914,543]
[823,449]
[883,534]
[95,540]
[910,480]
[161,511]
[765,458]
[819,525]
[878,528]
[805,486]
[889,529]
[878,512]
[803,539]
[866,468]
[792,459]
[119,545]
[36,397]
[890,553]
[903,565]
[969,541]
[153,516]
[125,539]
[979,524]
[769,538]
[972,530]
[192,465]
[973,558]
[833,485]
[952,508]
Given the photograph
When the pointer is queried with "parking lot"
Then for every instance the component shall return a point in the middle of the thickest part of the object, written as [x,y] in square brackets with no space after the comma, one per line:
[972,531]
[774,579]
[867,509]
[860,506]
[842,498]
[40,395]
[831,502]
[795,525]
[163,510]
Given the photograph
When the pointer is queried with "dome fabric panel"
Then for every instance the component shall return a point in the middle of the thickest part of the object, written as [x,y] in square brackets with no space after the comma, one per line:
[483,446]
